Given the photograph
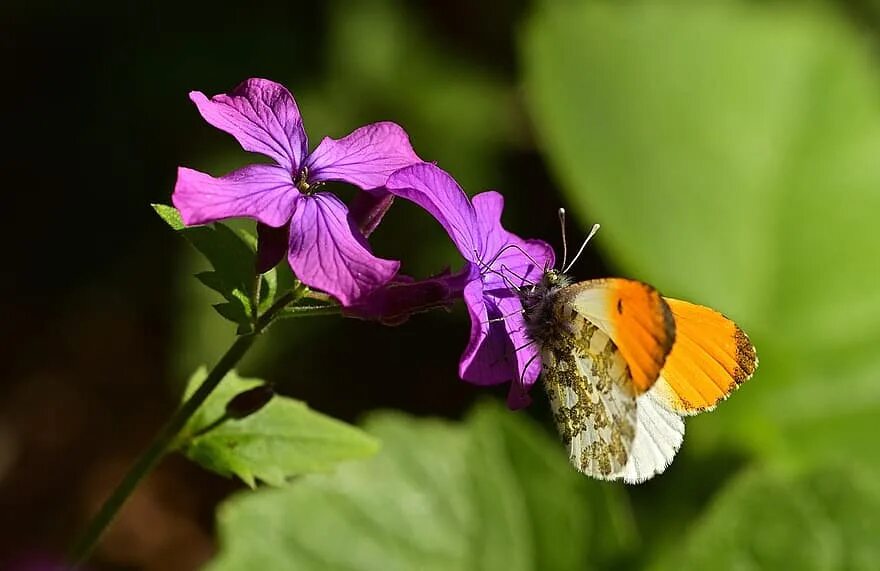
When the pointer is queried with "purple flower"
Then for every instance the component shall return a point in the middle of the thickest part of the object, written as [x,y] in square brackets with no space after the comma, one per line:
[324,246]
[497,261]
[396,301]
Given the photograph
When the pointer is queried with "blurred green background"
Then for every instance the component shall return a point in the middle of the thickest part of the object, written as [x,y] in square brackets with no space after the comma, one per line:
[730,150]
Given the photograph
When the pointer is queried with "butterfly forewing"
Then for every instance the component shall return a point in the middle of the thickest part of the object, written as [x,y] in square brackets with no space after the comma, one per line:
[711,357]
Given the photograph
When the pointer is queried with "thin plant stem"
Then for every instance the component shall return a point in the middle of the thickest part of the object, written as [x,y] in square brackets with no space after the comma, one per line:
[216,424]
[318,296]
[166,437]
[310,311]
[255,295]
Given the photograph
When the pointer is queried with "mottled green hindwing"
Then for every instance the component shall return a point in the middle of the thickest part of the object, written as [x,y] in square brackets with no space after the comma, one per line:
[591,393]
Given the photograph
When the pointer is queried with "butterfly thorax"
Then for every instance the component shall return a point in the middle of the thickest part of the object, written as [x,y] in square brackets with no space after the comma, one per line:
[538,302]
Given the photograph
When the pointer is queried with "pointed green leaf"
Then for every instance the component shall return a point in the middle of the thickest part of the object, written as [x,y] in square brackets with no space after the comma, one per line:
[170,215]
[268,289]
[494,492]
[283,439]
[232,256]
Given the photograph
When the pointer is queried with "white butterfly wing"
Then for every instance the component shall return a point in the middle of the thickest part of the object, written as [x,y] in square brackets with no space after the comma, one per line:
[659,434]
[613,428]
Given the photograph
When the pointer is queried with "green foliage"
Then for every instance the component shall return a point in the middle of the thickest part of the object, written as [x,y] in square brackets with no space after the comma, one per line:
[232,257]
[283,439]
[730,151]
[494,492]
[825,519]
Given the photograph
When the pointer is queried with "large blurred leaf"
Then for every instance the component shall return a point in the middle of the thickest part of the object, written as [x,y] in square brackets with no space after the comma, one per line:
[283,439]
[731,153]
[438,496]
[557,498]
[829,519]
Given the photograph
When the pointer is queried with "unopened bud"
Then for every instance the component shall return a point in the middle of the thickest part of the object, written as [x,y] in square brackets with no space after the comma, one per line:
[248,402]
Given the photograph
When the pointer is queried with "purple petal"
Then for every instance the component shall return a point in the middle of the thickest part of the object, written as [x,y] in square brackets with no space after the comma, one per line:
[396,301]
[488,358]
[525,353]
[522,261]
[364,158]
[263,117]
[271,246]
[488,207]
[262,192]
[328,252]
[434,190]
[368,209]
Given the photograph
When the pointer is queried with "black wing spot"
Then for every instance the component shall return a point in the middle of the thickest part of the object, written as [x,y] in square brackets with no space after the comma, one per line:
[620,306]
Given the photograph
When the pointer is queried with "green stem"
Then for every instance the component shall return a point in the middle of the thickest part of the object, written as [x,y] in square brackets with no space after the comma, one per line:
[206,429]
[310,311]
[163,441]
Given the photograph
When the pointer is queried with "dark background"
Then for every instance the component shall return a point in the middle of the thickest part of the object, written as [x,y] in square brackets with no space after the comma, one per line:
[100,316]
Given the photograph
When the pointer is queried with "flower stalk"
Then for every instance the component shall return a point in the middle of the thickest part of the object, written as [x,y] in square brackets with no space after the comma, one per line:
[166,437]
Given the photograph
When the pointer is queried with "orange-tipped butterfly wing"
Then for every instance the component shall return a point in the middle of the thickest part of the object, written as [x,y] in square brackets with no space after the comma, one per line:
[634,315]
[605,349]
[621,364]
[711,357]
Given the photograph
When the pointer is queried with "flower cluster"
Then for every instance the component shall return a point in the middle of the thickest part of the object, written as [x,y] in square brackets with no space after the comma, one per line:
[325,241]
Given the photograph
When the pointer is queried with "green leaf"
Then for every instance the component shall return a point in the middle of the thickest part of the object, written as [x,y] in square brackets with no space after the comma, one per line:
[494,492]
[170,215]
[556,499]
[268,289]
[283,439]
[826,519]
[730,152]
[232,256]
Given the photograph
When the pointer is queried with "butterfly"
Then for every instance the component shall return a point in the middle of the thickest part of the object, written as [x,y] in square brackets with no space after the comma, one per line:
[621,365]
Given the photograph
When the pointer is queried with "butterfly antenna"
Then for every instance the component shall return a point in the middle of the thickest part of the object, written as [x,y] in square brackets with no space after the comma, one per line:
[564,241]
[523,279]
[504,249]
[592,233]
[523,252]
[488,269]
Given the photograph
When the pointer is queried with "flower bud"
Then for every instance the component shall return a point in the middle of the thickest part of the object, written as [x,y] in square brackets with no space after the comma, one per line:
[248,402]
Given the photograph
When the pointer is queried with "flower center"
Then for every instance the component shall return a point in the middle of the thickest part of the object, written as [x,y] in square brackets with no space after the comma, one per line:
[301,181]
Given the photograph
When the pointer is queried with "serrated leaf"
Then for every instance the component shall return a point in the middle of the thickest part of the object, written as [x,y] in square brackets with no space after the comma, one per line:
[826,519]
[231,254]
[283,439]
[440,495]
[730,152]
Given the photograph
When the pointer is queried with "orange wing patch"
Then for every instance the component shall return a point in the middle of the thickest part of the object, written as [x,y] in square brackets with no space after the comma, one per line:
[711,357]
[635,316]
